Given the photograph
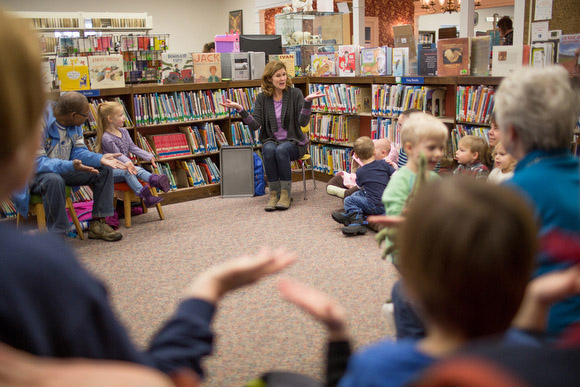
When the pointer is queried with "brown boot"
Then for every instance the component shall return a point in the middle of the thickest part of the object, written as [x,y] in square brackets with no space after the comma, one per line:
[285,195]
[274,194]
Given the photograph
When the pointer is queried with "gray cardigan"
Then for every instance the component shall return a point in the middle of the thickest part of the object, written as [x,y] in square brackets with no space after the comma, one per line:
[295,113]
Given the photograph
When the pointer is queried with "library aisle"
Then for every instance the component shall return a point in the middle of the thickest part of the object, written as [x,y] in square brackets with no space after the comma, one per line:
[256,330]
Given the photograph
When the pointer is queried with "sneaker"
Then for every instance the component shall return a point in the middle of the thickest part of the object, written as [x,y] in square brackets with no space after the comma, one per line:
[98,229]
[354,229]
[343,218]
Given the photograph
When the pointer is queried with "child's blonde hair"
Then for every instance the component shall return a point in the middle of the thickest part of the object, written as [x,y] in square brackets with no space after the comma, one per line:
[495,150]
[104,111]
[475,144]
[22,98]
[364,148]
[420,126]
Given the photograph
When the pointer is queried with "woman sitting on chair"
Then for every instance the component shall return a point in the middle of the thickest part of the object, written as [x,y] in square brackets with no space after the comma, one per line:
[280,111]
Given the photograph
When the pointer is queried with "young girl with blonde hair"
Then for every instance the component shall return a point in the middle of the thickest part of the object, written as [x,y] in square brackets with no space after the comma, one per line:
[504,165]
[113,138]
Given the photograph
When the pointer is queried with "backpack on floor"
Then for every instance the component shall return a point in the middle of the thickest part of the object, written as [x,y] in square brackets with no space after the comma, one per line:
[259,181]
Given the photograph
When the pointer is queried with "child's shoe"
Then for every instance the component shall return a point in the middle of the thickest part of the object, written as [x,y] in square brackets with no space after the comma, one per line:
[160,182]
[354,229]
[335,191]
[148,198]
[343,218]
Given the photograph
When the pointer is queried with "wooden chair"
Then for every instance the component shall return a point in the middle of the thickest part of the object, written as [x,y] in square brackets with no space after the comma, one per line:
[37,208]
[302,164]
[125,193]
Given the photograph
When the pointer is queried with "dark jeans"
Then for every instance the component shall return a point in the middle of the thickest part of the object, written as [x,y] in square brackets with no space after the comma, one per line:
[338,182]
[51,186]
[358,202]
[277,159]
[407,322]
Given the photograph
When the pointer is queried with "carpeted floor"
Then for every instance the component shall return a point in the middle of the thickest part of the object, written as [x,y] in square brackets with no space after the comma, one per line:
[255,329]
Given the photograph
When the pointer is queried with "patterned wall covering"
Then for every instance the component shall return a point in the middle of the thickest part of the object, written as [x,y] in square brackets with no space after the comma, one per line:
[389,12]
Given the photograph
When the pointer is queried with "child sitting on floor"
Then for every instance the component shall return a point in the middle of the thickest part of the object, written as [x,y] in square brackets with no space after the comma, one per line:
[504,165]
[113,138]
[371,178]
[343,184]
[472,155]
[469,286]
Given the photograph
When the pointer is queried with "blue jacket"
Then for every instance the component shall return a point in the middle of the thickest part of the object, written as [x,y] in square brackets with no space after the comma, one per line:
[550,180]
[51,143]
[51,306]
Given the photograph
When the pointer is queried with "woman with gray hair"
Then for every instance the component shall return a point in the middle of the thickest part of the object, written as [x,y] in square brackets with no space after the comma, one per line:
[537,111]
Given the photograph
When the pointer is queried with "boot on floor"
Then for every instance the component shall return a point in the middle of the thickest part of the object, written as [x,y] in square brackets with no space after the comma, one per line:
[274,187]
[160,182]
[343,218]
[148,198]
[355,227]
[285,195]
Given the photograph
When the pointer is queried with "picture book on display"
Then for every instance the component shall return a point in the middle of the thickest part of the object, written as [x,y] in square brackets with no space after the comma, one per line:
[400,61]
[427,59]
[323,64]
[453,56]
[405,37]
[207,67]
[376,61]
[288,60]
[569,53]
[73,73]
[480,55]
[106,71]
[177,68]
[348,60]
[542,54]
[505,60]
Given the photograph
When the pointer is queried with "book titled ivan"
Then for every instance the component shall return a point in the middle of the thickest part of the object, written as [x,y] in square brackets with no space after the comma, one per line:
[207,67]
[348,60]
[177,68]
[289,61]
[106,71]
[400,61]
[569,53]
[324,64]
[453,56]
[73,73]
[506,59]
[376,61]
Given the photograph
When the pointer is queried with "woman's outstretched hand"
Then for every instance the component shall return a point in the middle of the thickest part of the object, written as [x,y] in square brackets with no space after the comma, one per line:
[231,104]
[313,96]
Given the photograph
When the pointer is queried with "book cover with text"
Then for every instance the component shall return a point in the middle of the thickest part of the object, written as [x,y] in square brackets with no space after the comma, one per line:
[348,60]
[400,61]
[506,60]
[106,71]
[427,59]
[569,53]
[323,64]
[207,67]
[176,68]
[480,55]
[289,61]
[373,61]
[73,73]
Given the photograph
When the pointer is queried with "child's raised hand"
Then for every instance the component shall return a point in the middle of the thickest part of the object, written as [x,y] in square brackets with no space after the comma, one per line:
[317,304]
[238,272]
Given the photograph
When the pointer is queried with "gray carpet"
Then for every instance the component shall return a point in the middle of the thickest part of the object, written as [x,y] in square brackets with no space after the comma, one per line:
[255,329]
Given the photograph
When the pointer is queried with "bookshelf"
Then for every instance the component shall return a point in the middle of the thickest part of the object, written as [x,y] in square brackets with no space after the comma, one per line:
[328,155]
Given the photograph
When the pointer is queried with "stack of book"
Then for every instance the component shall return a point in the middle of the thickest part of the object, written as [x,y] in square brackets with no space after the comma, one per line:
[170,145]
[475,103]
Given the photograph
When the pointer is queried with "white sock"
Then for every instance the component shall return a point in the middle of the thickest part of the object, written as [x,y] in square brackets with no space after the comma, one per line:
[335,191]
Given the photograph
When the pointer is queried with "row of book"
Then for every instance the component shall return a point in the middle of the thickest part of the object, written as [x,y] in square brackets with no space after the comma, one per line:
[206,138]
[91,123]
[245,97]
[392,100]
[464,130]
[83,194]
[161,108]
[200,172]
[474,103]
[7,209]
[144,42]
[341,98]
[330,160]
[242,135]
[334,128]
[68,46]
[386,128]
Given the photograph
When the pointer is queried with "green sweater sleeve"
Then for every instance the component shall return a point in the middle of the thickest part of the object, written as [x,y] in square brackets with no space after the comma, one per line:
[397,191]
